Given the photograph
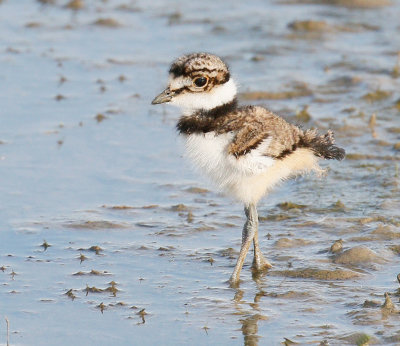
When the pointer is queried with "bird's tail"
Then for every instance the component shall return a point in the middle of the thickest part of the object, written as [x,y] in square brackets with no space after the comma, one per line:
[323,145]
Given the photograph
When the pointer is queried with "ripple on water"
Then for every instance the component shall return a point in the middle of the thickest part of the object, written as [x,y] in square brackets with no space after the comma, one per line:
[104,227]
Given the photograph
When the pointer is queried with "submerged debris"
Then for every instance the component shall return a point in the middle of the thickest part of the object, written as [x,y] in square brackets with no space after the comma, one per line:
[290,242]
[388,305]
[379,218]
[288,342]
[377,95]
[257,57]
[372,124]
[45,245]
[291,205]
[397,104]
[98,224]
[62,80]
[122,78]
[396,68]
[108,22]
[101,306]
[100,117]
[363,340]
[308,25]
[229,252]
[32,25]
[75,5]
[198,190]
[372,121]
[359,339]
[12,274]
[299,90]
[142,313]
[82,258]
[338,206]
[304,115]
[275,217]
[92,289]
[371,304]
[70,294]
[92,272]
[337,246]
[179,207]
[189,217]
[347,3]
[60,97]
[96,249]
[395,249]
[319,274]
[395,130]
[358,255]
[174,18]
[112,288]
[385,232]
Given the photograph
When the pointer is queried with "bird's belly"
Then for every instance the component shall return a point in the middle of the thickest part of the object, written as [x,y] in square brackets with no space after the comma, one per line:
[209,153]
[249,177]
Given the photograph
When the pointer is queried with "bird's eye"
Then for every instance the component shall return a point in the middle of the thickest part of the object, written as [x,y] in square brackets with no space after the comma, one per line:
[200,81]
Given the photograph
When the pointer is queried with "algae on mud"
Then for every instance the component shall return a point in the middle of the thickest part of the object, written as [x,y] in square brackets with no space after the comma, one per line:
[317,274]
[298,90]
[135,212]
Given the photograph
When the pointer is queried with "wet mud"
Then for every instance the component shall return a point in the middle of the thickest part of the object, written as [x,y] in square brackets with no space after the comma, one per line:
[107,235]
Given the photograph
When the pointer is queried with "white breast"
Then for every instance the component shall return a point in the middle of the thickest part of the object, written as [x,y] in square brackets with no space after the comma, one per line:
[209,153]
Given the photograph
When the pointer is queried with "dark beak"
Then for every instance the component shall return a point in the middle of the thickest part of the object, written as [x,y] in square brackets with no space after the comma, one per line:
[165,96]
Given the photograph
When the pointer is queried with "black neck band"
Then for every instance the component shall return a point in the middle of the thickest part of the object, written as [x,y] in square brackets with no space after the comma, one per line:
[205,121]
[218,111]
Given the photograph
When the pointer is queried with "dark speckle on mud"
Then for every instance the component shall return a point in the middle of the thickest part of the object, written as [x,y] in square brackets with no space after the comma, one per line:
[140,242]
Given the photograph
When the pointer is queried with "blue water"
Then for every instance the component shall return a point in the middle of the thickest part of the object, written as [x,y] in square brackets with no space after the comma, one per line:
[62,172]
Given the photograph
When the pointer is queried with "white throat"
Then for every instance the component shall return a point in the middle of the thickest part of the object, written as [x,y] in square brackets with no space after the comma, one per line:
[219,95]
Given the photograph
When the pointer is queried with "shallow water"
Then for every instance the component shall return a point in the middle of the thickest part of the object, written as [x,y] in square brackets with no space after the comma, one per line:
[87,162]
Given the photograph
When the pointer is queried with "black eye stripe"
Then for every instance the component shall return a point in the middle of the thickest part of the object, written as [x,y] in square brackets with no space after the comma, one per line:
[178,91]
[210,82]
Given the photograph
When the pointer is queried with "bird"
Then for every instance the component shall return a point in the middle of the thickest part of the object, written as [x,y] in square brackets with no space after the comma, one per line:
[246,150]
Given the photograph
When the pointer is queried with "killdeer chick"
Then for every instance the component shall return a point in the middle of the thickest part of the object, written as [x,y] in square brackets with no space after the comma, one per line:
[246,150]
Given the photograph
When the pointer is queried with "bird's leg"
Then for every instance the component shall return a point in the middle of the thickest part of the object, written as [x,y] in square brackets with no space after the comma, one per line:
[249,230]
[260,264]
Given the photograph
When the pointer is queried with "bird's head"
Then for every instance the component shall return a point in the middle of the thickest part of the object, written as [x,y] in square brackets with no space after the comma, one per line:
[198,81]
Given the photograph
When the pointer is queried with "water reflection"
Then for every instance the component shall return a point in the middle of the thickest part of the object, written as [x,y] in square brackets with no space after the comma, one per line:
[250,329]
[249,320]
[60,163]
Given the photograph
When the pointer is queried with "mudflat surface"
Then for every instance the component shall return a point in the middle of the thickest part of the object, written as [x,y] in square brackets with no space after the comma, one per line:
[107,236]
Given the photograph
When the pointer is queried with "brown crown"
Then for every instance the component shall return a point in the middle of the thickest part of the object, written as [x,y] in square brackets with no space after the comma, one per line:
[201,64]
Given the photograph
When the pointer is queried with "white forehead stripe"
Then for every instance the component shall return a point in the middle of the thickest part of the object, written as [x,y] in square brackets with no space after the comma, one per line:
[179,82]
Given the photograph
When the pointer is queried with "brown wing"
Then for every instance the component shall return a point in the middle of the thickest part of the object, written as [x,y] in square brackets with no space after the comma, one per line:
[253,125]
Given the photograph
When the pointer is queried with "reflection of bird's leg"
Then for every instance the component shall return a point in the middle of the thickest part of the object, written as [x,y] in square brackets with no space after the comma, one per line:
[259,262]
[250,329]
[249,230]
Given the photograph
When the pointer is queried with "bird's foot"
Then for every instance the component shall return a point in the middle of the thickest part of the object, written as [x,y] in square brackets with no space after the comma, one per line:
[260,265]
[233,282]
